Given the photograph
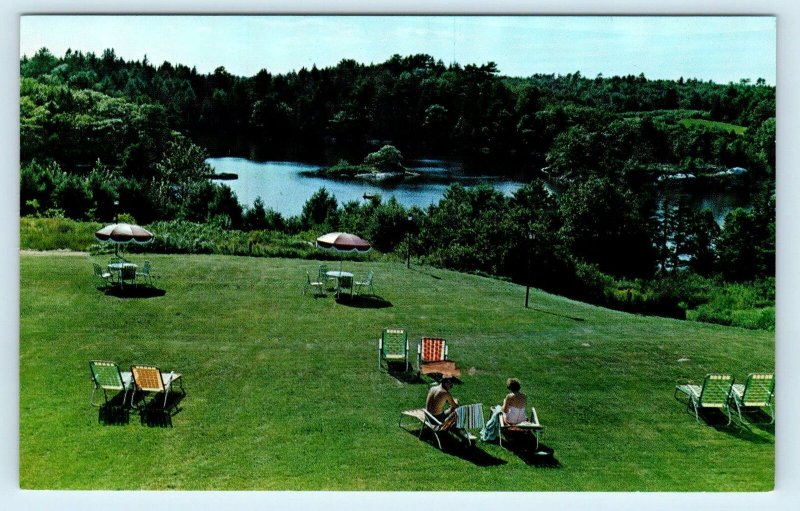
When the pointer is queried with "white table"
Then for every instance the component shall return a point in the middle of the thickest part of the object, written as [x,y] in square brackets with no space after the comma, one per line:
[338,275]
[117,268]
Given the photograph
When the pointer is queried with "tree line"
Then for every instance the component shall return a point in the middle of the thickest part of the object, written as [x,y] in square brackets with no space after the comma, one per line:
[100,136]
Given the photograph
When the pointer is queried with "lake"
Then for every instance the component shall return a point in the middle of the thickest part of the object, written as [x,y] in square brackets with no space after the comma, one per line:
[284,188]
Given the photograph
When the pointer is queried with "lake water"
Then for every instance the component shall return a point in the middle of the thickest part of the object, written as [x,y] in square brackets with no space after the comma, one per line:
[283,187]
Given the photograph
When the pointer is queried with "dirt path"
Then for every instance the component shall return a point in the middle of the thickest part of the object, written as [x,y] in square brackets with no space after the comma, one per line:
[60,252]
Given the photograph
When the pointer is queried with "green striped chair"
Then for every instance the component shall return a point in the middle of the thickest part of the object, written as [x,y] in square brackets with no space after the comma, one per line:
[107,376]
[757,391]
[714,393]
[393,347]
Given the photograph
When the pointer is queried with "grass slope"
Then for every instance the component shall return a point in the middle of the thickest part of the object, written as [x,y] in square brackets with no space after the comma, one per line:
[284,393]
[716,125]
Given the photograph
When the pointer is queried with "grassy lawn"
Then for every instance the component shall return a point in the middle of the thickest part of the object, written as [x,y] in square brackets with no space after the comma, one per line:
[284,392]
[717,125]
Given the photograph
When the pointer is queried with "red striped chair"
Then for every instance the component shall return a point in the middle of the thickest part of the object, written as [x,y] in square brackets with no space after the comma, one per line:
[432,358]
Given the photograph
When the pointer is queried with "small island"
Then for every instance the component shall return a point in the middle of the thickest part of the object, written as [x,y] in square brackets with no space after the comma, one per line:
[382,166]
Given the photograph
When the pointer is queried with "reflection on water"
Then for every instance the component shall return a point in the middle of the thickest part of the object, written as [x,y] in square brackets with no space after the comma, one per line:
[283,188]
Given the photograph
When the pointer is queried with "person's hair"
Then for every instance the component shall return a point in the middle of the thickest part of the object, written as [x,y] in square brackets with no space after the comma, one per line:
[513,385]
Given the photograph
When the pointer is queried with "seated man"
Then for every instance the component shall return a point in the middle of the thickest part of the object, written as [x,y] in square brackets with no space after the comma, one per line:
[439,397]
[514,404]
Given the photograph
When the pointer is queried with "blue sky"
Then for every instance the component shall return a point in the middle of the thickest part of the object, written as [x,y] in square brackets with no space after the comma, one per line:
[721,48]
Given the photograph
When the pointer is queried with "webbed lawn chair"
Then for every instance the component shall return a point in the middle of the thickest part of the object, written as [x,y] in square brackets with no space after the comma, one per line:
[757,391]
[316,285]
[104,276]
[359,285]
[150,380]
[714,393]
[393,347]
[107,376]
[530,425]
[144,272]
[432,359]
[429,422]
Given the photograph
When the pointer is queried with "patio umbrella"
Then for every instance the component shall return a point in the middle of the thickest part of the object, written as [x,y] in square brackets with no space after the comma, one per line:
[343,242]
[123,233]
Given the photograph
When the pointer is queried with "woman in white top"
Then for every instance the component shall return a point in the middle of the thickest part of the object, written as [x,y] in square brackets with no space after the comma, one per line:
[515,403]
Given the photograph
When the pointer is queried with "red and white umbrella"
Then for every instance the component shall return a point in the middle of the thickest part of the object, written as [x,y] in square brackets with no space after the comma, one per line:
[343,242]
[124,233]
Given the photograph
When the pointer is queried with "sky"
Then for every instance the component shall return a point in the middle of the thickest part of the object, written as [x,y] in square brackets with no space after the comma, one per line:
[719,48]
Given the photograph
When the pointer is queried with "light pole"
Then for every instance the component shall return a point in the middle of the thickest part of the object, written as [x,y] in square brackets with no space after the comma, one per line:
[408,242]
[531,237]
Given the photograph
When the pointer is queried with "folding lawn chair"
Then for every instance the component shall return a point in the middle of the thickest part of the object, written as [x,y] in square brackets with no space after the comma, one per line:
[429,422]
[150,380]
[107,376]
[393,347]
[757,391]
[714,393]
[432,359]
[531,425]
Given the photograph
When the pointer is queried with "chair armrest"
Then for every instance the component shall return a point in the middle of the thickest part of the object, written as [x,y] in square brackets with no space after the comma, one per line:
[534,417]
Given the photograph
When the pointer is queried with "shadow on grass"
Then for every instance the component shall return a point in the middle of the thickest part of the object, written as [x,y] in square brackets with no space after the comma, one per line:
[573,318]
[154,413]
[134,291]
[718,420]
[426,273]
[364,302]
[113,412]
[524,447]
[452,446]
[757,418]
[398,371]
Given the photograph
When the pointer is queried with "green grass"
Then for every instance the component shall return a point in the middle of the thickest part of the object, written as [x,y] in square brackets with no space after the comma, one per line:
[716,125]
[284,393]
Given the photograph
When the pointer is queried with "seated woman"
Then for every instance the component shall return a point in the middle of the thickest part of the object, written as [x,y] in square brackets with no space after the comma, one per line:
[515,404]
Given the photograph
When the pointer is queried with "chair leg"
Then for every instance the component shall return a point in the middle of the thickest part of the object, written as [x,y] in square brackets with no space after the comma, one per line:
[694,407]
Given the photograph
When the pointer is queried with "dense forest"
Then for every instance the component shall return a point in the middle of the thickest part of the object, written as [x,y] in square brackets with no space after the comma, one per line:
[101,135]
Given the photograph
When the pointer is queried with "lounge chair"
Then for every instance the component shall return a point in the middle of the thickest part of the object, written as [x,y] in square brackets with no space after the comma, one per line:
[313,284]
[144,272]
[531,425]
[107,376]
[757,391]
[428,421]
[150,380]
[365,284]
[104,276]
[393,347]
[432,359]
[714,393]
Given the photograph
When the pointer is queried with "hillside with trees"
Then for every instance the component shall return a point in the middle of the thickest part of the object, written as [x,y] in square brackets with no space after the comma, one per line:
[101,136]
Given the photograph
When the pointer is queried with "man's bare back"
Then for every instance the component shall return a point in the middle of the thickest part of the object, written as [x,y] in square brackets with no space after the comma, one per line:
[439,397]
